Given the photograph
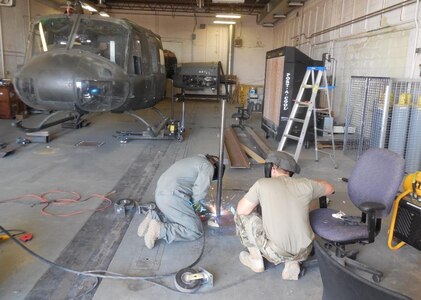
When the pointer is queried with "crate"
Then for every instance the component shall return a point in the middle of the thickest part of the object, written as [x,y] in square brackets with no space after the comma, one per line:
[10,104]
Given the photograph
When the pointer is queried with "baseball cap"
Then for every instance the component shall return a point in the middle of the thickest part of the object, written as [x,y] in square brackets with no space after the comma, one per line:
[284,161]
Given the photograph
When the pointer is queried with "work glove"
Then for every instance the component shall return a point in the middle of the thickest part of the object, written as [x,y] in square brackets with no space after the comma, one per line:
[199,208]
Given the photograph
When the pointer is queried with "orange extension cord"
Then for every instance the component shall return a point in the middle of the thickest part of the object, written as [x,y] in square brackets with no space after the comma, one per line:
[74,198]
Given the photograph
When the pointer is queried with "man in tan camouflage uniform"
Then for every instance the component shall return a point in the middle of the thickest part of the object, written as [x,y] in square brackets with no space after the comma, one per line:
[282,233]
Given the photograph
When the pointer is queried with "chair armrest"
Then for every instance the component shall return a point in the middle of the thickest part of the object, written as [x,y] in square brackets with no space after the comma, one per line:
[369,216]
[370,207]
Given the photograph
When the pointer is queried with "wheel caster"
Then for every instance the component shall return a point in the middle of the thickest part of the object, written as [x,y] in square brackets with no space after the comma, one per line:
[328,246]
[188,280]
[377,278]
[184,284]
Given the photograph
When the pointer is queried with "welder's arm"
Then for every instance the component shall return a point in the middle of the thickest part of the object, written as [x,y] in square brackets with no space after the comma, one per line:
[328,188]
[245,207]
[202,183]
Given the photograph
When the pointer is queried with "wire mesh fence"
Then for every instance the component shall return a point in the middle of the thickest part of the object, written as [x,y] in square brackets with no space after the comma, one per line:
[384,113]
[363,125]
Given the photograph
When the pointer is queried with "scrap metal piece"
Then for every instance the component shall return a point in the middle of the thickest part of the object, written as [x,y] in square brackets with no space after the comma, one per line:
[22,141]
[89,144]
[145,208]
[7,149]
[38,136]
[122,206]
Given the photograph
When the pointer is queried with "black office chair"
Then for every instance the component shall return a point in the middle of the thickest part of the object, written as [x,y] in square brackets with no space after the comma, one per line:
[372,187]
[242,114]
[339,282]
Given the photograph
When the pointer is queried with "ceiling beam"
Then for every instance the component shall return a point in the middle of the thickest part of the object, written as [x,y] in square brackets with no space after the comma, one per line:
[253,8]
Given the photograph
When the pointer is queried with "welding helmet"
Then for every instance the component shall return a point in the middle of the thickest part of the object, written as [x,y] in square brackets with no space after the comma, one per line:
[214,160]
[283,161]
[413,182]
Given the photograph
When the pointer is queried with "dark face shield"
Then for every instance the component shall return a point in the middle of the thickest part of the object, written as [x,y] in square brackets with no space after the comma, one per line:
[216,171]
[268,169]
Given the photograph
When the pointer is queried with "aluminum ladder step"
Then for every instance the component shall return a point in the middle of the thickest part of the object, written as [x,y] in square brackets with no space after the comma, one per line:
[313,77]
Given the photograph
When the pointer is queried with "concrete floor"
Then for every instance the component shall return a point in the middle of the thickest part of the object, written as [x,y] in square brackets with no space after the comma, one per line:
[103,240]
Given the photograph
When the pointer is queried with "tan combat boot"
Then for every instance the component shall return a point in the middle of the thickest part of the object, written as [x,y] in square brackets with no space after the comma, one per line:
[291,270]
[143,227]
[153,233]
[252,259]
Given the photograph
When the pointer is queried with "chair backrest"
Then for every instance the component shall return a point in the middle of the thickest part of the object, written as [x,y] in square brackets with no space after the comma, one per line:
[376,177]
[341,283]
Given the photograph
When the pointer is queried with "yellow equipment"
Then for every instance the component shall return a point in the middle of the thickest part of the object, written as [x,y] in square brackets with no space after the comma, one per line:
[4,237]
[412,188]
[413,182]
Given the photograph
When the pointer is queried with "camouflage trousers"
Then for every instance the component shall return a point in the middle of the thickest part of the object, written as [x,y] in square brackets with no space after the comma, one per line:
[252,234]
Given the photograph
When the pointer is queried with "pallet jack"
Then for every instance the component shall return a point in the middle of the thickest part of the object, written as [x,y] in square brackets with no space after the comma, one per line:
[167,129]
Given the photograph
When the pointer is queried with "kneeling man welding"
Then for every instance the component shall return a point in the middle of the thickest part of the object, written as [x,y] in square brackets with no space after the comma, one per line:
[179,193]
[282,233]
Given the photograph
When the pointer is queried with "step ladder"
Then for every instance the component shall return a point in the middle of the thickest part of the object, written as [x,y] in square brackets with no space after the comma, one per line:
[312,79]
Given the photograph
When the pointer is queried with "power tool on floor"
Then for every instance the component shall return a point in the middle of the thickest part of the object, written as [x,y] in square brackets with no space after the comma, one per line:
[188,280]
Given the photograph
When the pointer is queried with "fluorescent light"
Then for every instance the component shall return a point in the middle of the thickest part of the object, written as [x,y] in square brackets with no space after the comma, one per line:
[88,7]
[279,16]
[295,3]
[224,22]
[229,16]
[104,14]
[267,25]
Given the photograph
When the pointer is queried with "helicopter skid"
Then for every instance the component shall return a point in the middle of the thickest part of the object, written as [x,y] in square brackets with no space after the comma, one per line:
[71,120]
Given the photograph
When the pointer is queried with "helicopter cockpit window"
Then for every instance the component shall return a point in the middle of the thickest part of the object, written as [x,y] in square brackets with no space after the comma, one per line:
[156,57]
[137,54]
[102,38]
[51,33]
[162,60]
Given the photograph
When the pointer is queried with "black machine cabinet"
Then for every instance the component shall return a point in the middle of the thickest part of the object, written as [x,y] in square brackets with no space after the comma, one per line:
[285,70]
[408,223]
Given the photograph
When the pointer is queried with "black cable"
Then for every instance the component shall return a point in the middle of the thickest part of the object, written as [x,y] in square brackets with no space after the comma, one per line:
[15,234]
[106,274]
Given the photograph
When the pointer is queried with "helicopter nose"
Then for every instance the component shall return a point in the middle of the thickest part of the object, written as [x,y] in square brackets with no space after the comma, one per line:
[61,81]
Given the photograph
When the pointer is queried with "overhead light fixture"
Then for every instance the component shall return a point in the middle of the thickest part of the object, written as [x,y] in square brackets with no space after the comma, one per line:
[228,16]
[224,22]
[279,16]
[295,3]
[88,7]
[227,1]
[267,25]
[104,14]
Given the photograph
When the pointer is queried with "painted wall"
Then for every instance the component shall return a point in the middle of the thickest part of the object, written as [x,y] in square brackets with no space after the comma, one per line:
[14,23]
[199,40]
[367,38]
[14,27]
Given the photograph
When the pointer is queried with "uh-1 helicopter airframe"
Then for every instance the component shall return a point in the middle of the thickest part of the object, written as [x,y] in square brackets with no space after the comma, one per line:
[79,64]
